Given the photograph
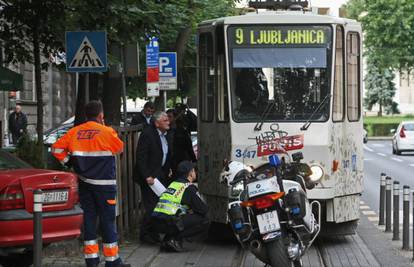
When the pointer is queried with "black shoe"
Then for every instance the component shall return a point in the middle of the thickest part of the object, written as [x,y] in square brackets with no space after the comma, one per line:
[150,239]
[172,245]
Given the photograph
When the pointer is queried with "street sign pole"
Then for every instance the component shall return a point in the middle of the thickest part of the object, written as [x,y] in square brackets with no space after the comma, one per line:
[87,88]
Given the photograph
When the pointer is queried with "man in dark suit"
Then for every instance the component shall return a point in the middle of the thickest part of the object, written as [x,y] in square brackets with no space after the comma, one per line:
[153,161]
[144,117]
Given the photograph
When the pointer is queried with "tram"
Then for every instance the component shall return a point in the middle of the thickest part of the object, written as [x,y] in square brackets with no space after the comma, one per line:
[287,70]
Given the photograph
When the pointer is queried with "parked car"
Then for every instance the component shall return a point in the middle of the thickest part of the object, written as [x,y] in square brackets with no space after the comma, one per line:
[194,143]
[365,136]
[403,139]
[62,215]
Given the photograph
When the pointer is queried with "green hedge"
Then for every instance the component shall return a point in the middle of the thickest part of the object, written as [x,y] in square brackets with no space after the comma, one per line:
[380,129]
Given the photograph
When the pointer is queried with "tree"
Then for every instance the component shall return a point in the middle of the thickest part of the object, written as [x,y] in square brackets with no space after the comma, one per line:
[30,30]
[380,88]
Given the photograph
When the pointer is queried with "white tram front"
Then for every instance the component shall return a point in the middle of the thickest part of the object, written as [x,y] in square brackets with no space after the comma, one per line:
[295,71]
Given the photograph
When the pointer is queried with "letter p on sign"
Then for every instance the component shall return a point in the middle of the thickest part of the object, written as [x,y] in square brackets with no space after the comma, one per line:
[164,61]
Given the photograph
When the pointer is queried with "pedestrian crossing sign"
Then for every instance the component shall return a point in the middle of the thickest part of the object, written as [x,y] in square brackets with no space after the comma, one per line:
[86,51]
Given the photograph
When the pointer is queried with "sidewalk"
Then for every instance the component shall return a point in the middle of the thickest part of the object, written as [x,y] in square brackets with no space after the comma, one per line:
[369,247]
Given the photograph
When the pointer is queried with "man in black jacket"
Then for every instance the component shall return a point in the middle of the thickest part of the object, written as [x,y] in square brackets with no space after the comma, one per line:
[153,161]
[144,117]
[180,212]
[17,124]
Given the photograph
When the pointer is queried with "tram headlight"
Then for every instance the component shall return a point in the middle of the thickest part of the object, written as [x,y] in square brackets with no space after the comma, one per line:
[317,173]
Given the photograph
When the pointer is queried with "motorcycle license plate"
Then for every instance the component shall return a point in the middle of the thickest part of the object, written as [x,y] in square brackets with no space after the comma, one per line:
[268,222]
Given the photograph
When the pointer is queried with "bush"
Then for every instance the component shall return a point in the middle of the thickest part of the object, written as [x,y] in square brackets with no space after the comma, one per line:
[380,129]
[31,152]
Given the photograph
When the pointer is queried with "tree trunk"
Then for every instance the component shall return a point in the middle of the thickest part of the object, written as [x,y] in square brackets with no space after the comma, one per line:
[38,86]
[80,101]
[112,98]
[380,110]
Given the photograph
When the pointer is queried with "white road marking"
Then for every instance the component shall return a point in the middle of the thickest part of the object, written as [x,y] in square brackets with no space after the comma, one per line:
[361,202]
[364,207]
[381,154]
[368,149]
[378,145]
[368,212]
[373,219]
[411,165]
[367,159]
[397,159]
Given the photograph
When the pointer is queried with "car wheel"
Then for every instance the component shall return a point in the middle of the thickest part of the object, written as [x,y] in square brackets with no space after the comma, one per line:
[17,260]
[398,152]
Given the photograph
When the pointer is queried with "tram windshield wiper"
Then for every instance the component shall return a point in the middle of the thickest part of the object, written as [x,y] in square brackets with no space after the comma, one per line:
[308,122]
[270,105]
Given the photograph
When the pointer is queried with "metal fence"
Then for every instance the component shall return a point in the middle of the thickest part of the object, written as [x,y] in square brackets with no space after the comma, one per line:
[129,196]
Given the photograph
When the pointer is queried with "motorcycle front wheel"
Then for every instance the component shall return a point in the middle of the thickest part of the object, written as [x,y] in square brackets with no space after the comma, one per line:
[277,254]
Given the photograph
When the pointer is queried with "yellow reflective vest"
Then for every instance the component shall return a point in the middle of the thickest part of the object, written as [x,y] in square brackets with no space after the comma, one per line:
[170,201]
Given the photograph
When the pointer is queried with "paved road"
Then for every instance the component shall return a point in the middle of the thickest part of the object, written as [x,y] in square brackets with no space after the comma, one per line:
[378,158]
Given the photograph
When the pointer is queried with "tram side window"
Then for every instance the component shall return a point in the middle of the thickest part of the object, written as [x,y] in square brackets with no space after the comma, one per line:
[206,76]
[338,92]
[222,92]
[354,92]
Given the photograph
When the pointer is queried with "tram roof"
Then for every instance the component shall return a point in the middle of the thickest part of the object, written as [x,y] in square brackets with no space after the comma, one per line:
[280,17]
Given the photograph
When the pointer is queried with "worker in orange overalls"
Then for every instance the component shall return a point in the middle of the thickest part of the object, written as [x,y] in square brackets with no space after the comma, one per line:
[90,149]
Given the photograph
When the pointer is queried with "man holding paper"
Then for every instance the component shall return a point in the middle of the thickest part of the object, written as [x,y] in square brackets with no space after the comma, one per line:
[153,166]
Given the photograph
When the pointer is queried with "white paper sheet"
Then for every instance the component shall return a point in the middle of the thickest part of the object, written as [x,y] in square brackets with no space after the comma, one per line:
[158,187]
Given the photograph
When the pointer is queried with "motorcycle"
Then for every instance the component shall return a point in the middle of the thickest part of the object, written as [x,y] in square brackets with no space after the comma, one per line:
[270,214]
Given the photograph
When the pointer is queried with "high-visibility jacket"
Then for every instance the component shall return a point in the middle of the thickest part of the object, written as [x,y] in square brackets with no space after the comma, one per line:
[170,201]
[91,148]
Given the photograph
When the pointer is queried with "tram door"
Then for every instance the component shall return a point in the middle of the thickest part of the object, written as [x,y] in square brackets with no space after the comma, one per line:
[214,138]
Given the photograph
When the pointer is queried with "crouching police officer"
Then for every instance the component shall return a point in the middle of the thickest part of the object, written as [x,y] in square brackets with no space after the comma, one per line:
[181,213]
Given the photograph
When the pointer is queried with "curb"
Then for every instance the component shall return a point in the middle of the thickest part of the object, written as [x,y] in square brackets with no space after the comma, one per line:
[380,138]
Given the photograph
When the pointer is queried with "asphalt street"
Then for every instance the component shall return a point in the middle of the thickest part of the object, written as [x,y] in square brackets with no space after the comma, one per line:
[378,158]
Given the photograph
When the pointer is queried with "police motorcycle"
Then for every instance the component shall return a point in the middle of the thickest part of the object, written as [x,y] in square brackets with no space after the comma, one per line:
[270,214]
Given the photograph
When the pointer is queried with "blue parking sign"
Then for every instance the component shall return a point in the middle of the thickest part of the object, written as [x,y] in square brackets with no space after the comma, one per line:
[168,70]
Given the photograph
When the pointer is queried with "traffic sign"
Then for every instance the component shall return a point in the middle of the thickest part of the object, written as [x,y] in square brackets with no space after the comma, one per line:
[168,71]
[86,51]
[152,53]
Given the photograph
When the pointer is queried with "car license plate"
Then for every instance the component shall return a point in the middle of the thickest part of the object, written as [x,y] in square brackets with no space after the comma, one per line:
[268,222]
[55,196]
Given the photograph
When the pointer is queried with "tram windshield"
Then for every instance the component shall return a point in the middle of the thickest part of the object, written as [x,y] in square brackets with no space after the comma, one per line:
[285,66]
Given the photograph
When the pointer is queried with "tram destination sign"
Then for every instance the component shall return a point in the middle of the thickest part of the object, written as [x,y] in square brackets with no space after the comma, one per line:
[279,35]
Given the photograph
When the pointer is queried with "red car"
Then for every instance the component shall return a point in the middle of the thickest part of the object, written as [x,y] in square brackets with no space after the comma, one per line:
[62,215]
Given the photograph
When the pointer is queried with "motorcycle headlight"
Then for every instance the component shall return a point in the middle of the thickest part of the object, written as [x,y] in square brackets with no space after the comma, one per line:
[317,173]
[237,189]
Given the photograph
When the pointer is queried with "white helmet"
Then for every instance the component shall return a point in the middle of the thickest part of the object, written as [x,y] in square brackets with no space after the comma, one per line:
[231,171]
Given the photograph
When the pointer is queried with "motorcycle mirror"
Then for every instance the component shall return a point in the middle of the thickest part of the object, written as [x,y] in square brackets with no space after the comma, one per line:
[274,160]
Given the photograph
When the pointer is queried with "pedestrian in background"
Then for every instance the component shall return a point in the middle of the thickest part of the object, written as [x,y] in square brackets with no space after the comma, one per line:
[90,148]
[153,161]
[181,139]
[144,117]
[180,212]
[17,124]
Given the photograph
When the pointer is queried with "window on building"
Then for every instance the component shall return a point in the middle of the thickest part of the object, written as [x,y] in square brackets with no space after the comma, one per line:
[353,78]
[338,92]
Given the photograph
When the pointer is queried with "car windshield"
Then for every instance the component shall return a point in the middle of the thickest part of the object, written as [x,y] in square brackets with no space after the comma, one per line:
[286,66]
[8,161]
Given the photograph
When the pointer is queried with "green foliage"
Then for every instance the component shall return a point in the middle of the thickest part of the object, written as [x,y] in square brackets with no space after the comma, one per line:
[354,8]
[380,88]
[380,129]
[31,152]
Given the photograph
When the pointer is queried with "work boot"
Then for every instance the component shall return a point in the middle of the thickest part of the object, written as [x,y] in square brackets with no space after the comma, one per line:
[172,245]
